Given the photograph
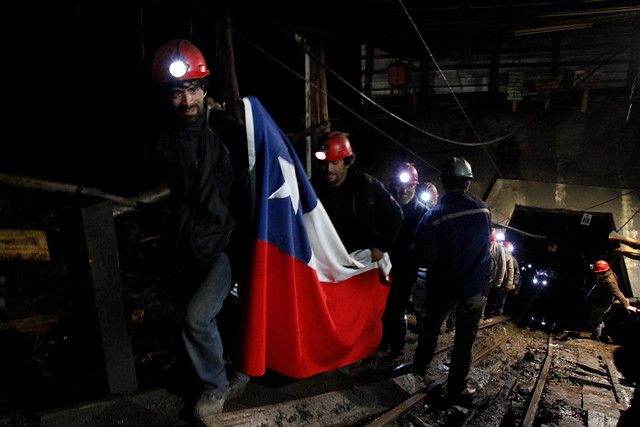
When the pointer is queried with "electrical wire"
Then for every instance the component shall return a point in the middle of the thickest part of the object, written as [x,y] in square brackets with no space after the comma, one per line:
[481,143]
[390,113]
[291,70]
[623,225]
[464,113]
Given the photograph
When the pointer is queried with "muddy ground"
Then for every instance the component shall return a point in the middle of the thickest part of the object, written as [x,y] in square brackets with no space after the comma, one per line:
[39,348]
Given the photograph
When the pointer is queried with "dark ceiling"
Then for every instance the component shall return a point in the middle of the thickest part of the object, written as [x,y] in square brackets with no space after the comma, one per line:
[389,24]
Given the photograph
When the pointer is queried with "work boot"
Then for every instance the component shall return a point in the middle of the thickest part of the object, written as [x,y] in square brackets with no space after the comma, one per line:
[465,395]
[210,402]
[238,383]
[469,392]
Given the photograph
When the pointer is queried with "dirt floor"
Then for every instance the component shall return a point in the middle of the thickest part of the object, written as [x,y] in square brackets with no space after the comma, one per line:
[39,359]
[578,385]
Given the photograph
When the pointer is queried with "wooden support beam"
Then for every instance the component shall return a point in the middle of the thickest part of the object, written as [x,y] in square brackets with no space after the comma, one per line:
[91,259]
[24,245]
[621,398]
[39,184]
[537,391]
[589,381]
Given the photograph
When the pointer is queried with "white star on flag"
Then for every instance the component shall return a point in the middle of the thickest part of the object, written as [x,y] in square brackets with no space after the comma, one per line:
[290,186]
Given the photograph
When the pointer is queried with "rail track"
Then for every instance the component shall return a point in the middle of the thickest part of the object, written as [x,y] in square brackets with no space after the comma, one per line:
[524,377]
[380,400]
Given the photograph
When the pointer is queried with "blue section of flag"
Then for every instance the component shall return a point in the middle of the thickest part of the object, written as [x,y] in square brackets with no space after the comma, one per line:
[284,192]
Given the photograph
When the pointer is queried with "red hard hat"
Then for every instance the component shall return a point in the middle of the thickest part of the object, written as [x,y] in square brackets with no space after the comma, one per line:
[178,60]
[508,245]
[601,266]
[494,235]
[406,173]
[430,187]
[335,146]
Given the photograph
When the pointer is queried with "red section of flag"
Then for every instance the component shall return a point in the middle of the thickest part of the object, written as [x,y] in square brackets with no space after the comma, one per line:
[299,326]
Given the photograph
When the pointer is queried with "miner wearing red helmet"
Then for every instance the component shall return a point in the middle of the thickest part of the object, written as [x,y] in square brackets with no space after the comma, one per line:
[404,270]
[605,293]
[181,72]
[429,195]
[196,166]
[364,214]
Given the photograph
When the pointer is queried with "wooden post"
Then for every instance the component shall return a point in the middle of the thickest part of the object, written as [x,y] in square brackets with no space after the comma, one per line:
[308,107]
[585,99]
[228,76]
[547,98]
[368,76]
[316,102]
[91,259]
[494,69]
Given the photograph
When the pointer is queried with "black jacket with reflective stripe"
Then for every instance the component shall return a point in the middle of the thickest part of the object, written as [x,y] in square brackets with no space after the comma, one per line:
[452,241]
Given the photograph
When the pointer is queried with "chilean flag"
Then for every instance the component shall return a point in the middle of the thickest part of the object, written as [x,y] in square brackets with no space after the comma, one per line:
[309,306]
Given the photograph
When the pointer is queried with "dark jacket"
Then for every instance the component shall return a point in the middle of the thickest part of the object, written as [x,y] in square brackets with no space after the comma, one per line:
[196,166]
[363,212]
[403,260]
[452,241]
[606,291]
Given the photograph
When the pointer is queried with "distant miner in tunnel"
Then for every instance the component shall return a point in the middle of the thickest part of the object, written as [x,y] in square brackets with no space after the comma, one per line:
[452,241]
[605,292]
[404,271]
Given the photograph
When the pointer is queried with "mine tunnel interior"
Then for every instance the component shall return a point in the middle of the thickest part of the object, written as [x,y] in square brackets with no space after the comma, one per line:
[554,260]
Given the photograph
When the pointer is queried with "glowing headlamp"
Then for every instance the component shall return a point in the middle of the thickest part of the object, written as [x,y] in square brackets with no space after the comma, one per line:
[321,155]
[500,236]
[404,177]
[178,68]
[425,196]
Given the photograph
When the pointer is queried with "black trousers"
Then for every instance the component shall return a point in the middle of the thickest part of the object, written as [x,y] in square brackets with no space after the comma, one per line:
[468,313]
[394,319]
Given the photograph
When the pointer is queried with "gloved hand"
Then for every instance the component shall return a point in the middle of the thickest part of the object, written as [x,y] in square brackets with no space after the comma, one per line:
[632,309]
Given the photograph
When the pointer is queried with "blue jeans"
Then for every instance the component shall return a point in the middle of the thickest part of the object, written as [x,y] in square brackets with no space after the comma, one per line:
[468,313]
[200,330]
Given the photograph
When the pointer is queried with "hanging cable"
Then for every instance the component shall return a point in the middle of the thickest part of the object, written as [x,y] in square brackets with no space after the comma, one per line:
[623,225]
[386,111]
[424,43]
[268,55]
[473,129]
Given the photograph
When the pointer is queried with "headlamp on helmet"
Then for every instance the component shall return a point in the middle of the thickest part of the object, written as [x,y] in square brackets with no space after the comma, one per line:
[406,174]
[178,68]
[335,146]
[178,60]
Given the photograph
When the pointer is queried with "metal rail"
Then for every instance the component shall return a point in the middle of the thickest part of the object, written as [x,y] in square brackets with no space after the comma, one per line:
[537,391]
[353,404]
[418,397]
